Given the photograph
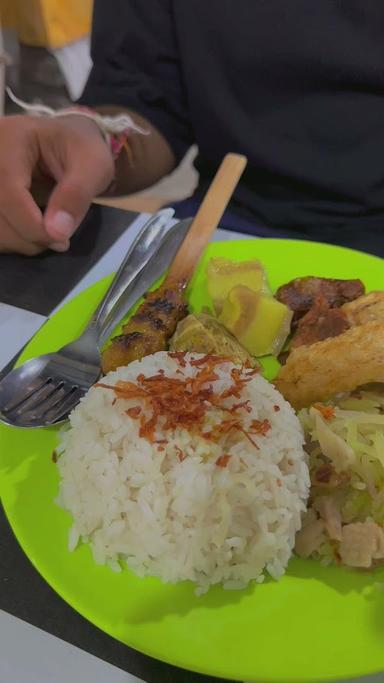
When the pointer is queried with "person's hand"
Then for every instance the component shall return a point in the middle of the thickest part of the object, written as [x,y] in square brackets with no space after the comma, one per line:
[66,153]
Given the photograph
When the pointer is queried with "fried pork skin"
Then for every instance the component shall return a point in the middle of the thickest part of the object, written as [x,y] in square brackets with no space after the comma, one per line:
[333,366]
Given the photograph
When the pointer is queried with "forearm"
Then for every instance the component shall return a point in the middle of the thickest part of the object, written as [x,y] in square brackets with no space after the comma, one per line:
[150,160]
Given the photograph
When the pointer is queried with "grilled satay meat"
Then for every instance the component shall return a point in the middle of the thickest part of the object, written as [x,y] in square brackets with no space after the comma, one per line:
[300,294]
[149,329]
[155,321]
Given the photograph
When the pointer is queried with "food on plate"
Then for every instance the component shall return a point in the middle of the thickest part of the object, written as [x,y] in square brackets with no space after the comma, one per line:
[149,329]
[319,323]
[322,321]
[300,294]
[244,304]
[320,311]
[339,350]
[337,357]
[365,309]
[202,333]
[345,518]
[185,467]
[333,366]
[258,321]
[223,275]
[153,324]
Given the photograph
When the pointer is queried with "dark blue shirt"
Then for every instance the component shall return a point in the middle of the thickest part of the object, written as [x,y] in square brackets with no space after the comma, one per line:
[296,85]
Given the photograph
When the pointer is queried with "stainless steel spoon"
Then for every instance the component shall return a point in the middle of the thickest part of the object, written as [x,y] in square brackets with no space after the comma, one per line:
[44,390]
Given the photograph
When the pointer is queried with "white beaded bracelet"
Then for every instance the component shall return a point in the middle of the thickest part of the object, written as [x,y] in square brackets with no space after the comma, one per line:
[115,129]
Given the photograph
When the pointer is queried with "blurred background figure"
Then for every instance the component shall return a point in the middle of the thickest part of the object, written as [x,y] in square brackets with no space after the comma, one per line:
[48,44]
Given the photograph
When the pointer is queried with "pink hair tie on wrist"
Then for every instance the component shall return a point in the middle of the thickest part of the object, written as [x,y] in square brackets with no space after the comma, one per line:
[118,141]
[115,129]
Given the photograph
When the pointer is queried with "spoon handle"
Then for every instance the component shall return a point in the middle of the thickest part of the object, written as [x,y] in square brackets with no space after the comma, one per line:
[148,276]
[137,257]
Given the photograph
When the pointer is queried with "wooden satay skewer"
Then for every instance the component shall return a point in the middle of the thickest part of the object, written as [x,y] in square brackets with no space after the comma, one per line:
[207,219]
[155,320]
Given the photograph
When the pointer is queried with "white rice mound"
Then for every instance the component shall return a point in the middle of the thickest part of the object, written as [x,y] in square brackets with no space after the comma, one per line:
[190,519]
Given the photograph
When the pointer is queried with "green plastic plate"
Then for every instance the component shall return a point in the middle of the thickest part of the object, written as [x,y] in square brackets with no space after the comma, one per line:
[315,624]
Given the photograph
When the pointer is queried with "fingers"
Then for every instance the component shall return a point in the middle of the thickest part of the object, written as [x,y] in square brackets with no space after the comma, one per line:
[11,242]
[88,171]
[59,246]
[71,153]
[20,218]
[19,210]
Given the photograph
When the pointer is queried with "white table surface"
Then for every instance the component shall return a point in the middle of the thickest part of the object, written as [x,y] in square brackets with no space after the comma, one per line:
[29,655]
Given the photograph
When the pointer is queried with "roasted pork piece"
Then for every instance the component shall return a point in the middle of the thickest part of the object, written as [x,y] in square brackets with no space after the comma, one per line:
[320,322]
[300,294]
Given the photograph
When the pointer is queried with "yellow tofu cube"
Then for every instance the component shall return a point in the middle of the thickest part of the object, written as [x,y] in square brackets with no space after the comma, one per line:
[259,322]
[223,275]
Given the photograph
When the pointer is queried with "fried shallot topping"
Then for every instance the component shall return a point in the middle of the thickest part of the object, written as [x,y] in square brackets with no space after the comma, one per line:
[260,427]
[183,402]
[327,412]
[223,460]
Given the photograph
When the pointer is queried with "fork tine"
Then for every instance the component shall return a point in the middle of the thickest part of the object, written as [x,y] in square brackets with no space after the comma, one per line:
[38,408]
[57,406]
[36,394]
[54,401]
[37,403]
[64,406]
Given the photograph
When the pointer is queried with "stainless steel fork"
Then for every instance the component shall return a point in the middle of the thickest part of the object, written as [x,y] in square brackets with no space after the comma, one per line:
[44,390]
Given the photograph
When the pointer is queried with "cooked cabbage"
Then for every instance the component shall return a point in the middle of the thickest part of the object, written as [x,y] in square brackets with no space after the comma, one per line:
[345,442]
